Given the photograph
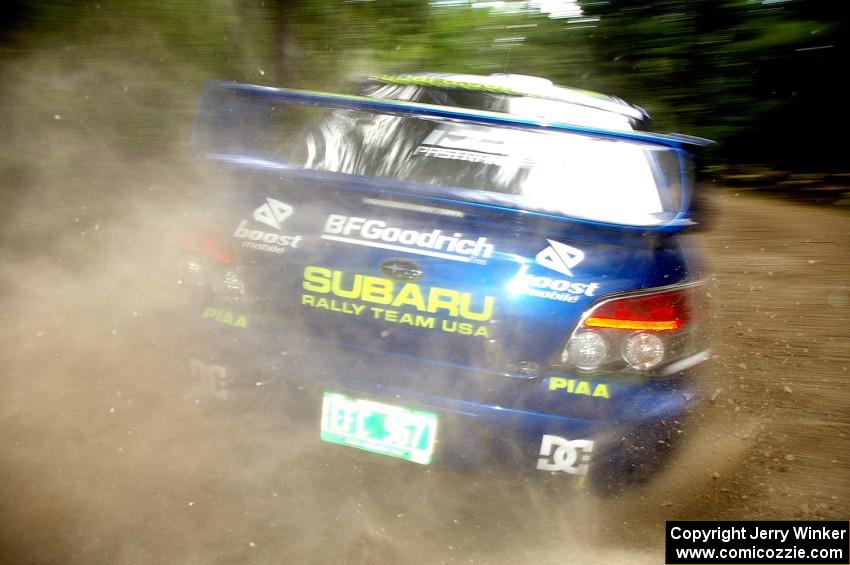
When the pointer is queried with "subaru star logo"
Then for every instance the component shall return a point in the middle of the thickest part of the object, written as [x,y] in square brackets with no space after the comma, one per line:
[402,269]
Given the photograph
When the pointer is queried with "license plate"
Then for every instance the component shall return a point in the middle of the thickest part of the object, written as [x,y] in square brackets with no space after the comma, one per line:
[379,428]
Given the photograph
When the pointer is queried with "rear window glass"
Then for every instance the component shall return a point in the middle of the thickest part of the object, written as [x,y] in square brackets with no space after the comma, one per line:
[525,106]
[576,175]
[569,174]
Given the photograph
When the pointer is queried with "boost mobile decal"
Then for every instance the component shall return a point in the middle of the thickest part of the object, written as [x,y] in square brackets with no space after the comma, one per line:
[272,213]
[411,304]
[560,258]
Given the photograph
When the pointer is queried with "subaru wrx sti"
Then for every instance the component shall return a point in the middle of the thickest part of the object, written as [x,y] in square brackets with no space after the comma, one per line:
[455,270]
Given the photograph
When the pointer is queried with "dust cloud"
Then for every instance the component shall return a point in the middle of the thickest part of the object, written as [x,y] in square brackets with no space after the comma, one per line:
[110,455]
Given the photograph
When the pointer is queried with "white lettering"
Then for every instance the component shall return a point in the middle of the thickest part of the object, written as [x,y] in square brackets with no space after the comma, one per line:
[368,232]
[273,213]
[572,457]
[553,289]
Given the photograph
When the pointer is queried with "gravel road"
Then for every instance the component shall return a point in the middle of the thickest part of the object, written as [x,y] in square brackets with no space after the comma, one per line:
[109,458]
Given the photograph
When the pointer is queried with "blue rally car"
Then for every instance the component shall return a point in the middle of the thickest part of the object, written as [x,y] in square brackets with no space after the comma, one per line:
[481,272]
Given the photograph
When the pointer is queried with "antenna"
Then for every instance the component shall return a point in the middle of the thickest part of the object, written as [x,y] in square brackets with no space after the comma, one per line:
[507,58]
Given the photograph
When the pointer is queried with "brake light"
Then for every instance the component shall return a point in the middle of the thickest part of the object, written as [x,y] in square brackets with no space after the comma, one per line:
[638,332]
[658,312]
[208,247]
[209,265]
[595,322]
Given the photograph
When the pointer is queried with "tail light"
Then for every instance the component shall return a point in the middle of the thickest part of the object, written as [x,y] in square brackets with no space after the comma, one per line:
[207,247]
[639,332]
[209,264]
[227,286]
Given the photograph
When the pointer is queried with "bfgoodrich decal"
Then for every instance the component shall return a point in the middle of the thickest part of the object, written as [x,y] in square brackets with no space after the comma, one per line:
[435,243]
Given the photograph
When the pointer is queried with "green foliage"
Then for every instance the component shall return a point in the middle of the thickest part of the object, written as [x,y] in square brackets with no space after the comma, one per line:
[739,71]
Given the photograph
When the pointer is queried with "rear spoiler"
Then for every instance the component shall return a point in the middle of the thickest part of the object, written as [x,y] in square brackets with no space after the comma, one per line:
[233,119]
[216,92]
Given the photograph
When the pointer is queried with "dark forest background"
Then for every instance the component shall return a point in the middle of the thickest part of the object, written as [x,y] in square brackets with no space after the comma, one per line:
[761,77]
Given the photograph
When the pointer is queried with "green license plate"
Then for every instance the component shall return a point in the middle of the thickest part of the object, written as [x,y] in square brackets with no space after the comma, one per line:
[379,428]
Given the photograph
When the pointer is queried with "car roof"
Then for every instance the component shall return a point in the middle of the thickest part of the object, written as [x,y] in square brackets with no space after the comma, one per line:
[518,85]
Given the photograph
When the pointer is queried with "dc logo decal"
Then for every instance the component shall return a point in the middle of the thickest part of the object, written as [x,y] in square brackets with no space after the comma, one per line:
[273,213]
[559,454]
[560,257]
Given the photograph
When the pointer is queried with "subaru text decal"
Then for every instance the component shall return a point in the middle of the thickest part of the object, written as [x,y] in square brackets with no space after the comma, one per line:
[272,213]
[409,304]
[434,243]
[559,454]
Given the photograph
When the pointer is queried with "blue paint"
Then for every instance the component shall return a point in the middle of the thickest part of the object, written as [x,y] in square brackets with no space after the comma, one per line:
[475,384]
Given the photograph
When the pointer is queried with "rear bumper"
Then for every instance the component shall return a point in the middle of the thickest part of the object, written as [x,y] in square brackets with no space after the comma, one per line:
[610,432]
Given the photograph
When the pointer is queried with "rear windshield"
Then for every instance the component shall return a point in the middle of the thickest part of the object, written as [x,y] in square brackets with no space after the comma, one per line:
[569,174]
[525,106]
